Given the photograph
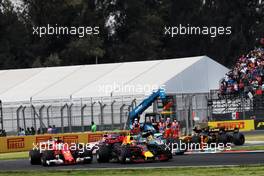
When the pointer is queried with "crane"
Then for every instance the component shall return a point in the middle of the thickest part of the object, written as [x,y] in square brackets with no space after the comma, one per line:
[147,102]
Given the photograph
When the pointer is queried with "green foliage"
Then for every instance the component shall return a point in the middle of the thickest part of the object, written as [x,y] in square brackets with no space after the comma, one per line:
[52,60]
[135,31]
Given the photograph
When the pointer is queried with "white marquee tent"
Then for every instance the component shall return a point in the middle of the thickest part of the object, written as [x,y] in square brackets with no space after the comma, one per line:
[185,75]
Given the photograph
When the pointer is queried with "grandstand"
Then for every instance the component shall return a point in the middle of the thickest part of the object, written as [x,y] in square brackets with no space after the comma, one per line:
[71,97]
[241,90]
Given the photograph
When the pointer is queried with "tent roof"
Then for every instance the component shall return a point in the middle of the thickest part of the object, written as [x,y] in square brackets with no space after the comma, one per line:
[185,75]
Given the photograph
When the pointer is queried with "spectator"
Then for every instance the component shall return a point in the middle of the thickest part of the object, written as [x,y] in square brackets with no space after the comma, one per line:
[161,125]
[28,131]
[49,130]
[93,127]
[246,76]
[39,131]
[21,132]
[135,126]
[54,129]
[253,117]
[33,131]
[2,133]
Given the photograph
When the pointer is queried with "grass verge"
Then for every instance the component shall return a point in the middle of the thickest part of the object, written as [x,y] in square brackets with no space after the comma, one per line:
[255,137]
[255,147]
[197,171]
[13,155]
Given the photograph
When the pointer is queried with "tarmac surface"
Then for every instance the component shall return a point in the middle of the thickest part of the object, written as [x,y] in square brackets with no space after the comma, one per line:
[216,159]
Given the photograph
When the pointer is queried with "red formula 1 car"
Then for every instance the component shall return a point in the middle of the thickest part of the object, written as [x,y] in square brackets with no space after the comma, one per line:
[55,152]
[125,149]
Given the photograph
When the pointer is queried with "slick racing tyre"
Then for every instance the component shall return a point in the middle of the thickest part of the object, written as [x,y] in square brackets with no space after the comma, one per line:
[46,156]
[103,154]
[35,157]
[223,138]
[85,155]
[124,154]
[238,139]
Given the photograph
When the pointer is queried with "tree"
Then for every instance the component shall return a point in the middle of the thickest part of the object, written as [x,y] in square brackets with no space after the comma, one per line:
[129,30]
[83,51]
[52,60]
[138,30]
[13,38]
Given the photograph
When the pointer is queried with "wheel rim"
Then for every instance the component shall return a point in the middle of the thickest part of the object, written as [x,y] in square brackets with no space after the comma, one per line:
[42,161]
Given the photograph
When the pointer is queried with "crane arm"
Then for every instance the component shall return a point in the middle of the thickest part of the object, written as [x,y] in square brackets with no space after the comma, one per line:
[145,104]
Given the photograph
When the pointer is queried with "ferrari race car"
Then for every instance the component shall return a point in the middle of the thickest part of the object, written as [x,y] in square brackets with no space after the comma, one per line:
[127,149]
[55,152]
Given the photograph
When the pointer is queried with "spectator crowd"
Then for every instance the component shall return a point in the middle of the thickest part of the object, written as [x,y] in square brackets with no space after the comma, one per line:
[28,131]
[2,133]
[32,131]
[246,78]
[52,130]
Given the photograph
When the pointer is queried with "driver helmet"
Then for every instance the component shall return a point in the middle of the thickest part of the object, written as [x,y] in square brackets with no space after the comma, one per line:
[58,140]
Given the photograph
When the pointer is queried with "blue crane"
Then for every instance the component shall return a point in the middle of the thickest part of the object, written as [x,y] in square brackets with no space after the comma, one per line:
[135,113]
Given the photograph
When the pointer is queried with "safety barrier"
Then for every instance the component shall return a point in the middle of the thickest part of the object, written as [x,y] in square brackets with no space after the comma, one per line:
[26,143]
[243,125]
[259,124]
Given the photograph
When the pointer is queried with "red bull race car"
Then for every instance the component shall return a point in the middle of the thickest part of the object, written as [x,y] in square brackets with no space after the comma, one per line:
[127,149]
[55,152]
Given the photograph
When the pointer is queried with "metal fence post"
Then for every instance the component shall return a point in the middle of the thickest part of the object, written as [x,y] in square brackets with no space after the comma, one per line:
[48,117]
[1,115]
[102,106]
[112,114]
[62,122]
[243,108]
[187,111]
[82,116]
[191,111]
[17,112]
[41,124]
[34,117]
[92,111]
[121,115]
[70,117]
[24,118]
[41,118]
[128,120]
[134,103]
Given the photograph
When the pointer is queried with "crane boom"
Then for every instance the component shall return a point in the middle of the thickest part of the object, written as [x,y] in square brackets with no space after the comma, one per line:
[145,104]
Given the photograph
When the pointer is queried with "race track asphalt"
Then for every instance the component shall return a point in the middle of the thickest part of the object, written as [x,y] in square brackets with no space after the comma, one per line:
[179,160]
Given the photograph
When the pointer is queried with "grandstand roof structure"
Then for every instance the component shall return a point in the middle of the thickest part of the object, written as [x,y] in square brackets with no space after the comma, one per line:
[184,75]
